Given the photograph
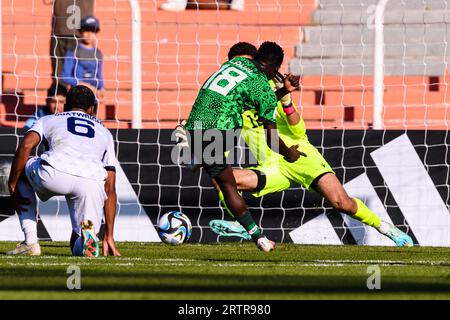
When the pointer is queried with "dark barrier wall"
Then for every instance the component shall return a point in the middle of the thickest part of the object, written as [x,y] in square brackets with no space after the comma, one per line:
[162,186]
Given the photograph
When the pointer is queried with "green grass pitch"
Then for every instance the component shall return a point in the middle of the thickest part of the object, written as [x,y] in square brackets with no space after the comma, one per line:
[228,271]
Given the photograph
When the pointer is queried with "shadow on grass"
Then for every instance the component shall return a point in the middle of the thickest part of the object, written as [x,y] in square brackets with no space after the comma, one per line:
[55,280]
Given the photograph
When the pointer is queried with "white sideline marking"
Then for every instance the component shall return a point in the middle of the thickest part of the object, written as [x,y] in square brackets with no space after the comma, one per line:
[52,264]
[100,258]
[34,261]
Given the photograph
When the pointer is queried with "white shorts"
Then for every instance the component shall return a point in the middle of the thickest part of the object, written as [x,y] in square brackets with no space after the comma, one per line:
[85,197]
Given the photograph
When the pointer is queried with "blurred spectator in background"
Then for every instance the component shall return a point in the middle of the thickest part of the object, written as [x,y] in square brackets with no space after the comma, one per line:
[180,5]
[66,20]
[84,64]
[56,97]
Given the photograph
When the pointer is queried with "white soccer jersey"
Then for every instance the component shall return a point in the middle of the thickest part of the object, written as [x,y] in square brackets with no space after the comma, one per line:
[76,143]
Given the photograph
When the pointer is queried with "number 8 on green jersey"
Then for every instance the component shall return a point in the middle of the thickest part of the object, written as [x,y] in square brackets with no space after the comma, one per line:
[237,86]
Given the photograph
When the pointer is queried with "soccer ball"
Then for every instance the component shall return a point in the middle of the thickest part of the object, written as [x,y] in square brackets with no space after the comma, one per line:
[174,228]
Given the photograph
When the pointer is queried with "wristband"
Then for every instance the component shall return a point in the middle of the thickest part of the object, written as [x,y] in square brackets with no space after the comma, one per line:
[290,109]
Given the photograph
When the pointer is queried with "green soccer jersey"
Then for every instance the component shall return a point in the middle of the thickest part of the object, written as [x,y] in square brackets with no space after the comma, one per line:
[237,86]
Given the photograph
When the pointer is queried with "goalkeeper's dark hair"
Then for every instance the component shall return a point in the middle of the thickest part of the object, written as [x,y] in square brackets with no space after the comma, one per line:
[242,48]
[270,53]
[80,97]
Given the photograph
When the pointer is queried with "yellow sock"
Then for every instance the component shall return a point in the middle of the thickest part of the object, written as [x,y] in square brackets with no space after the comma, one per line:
[222,199]
[365,215]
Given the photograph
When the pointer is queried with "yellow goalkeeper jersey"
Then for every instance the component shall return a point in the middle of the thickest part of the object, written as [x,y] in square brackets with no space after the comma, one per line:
[255,137]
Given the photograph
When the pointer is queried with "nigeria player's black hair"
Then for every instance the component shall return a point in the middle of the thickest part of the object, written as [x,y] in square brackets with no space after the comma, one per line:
[80,97]
[270,53]
[242,48]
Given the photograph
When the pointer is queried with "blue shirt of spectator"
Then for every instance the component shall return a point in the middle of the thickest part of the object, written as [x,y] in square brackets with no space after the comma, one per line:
[84,64]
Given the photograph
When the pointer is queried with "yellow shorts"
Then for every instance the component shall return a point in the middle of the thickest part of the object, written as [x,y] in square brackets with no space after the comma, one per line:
[280,174]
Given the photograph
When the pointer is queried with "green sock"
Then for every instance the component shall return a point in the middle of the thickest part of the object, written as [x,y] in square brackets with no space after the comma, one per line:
[365,215]
[246,220]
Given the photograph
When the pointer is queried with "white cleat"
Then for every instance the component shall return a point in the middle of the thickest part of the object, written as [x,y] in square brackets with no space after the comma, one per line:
[26,249]
[265,244]
[237,5]
[174,5]
[400,238]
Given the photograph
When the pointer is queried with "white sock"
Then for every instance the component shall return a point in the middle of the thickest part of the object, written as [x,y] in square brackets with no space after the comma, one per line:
[31,238]
[29,227]
[384,227]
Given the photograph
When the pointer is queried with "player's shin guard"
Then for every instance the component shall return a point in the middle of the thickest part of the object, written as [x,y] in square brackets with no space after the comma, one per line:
[246,220]
[365,215]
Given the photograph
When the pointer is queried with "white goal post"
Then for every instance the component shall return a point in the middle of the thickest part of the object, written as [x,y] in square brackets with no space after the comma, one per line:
[378,65]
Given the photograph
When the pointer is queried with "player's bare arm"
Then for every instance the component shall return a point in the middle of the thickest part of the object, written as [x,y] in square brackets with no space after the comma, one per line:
[109,246]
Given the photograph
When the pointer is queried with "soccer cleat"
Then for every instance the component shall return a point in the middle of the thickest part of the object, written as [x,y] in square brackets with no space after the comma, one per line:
[26,249]
[400,238]
[89,239]
[229,229]
[265,244]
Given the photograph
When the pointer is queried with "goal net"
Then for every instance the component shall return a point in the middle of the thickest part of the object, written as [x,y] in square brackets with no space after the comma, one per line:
[400,172]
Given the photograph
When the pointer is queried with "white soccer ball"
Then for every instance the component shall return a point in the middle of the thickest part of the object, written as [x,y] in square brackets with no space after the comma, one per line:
[174,228]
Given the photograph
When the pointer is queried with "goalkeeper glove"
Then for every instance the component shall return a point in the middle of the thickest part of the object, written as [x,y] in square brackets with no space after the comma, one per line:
[286,101]
[180,133]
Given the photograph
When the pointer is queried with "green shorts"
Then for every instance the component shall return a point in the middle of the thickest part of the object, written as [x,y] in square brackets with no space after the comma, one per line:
[280,174]
[213,163]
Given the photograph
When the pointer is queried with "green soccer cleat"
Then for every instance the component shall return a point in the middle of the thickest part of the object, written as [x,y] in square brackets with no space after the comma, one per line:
[89,239]
[229,229]
[400,238]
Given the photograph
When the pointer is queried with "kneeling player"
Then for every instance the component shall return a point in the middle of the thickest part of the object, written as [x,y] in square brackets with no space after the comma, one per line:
[79,163]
